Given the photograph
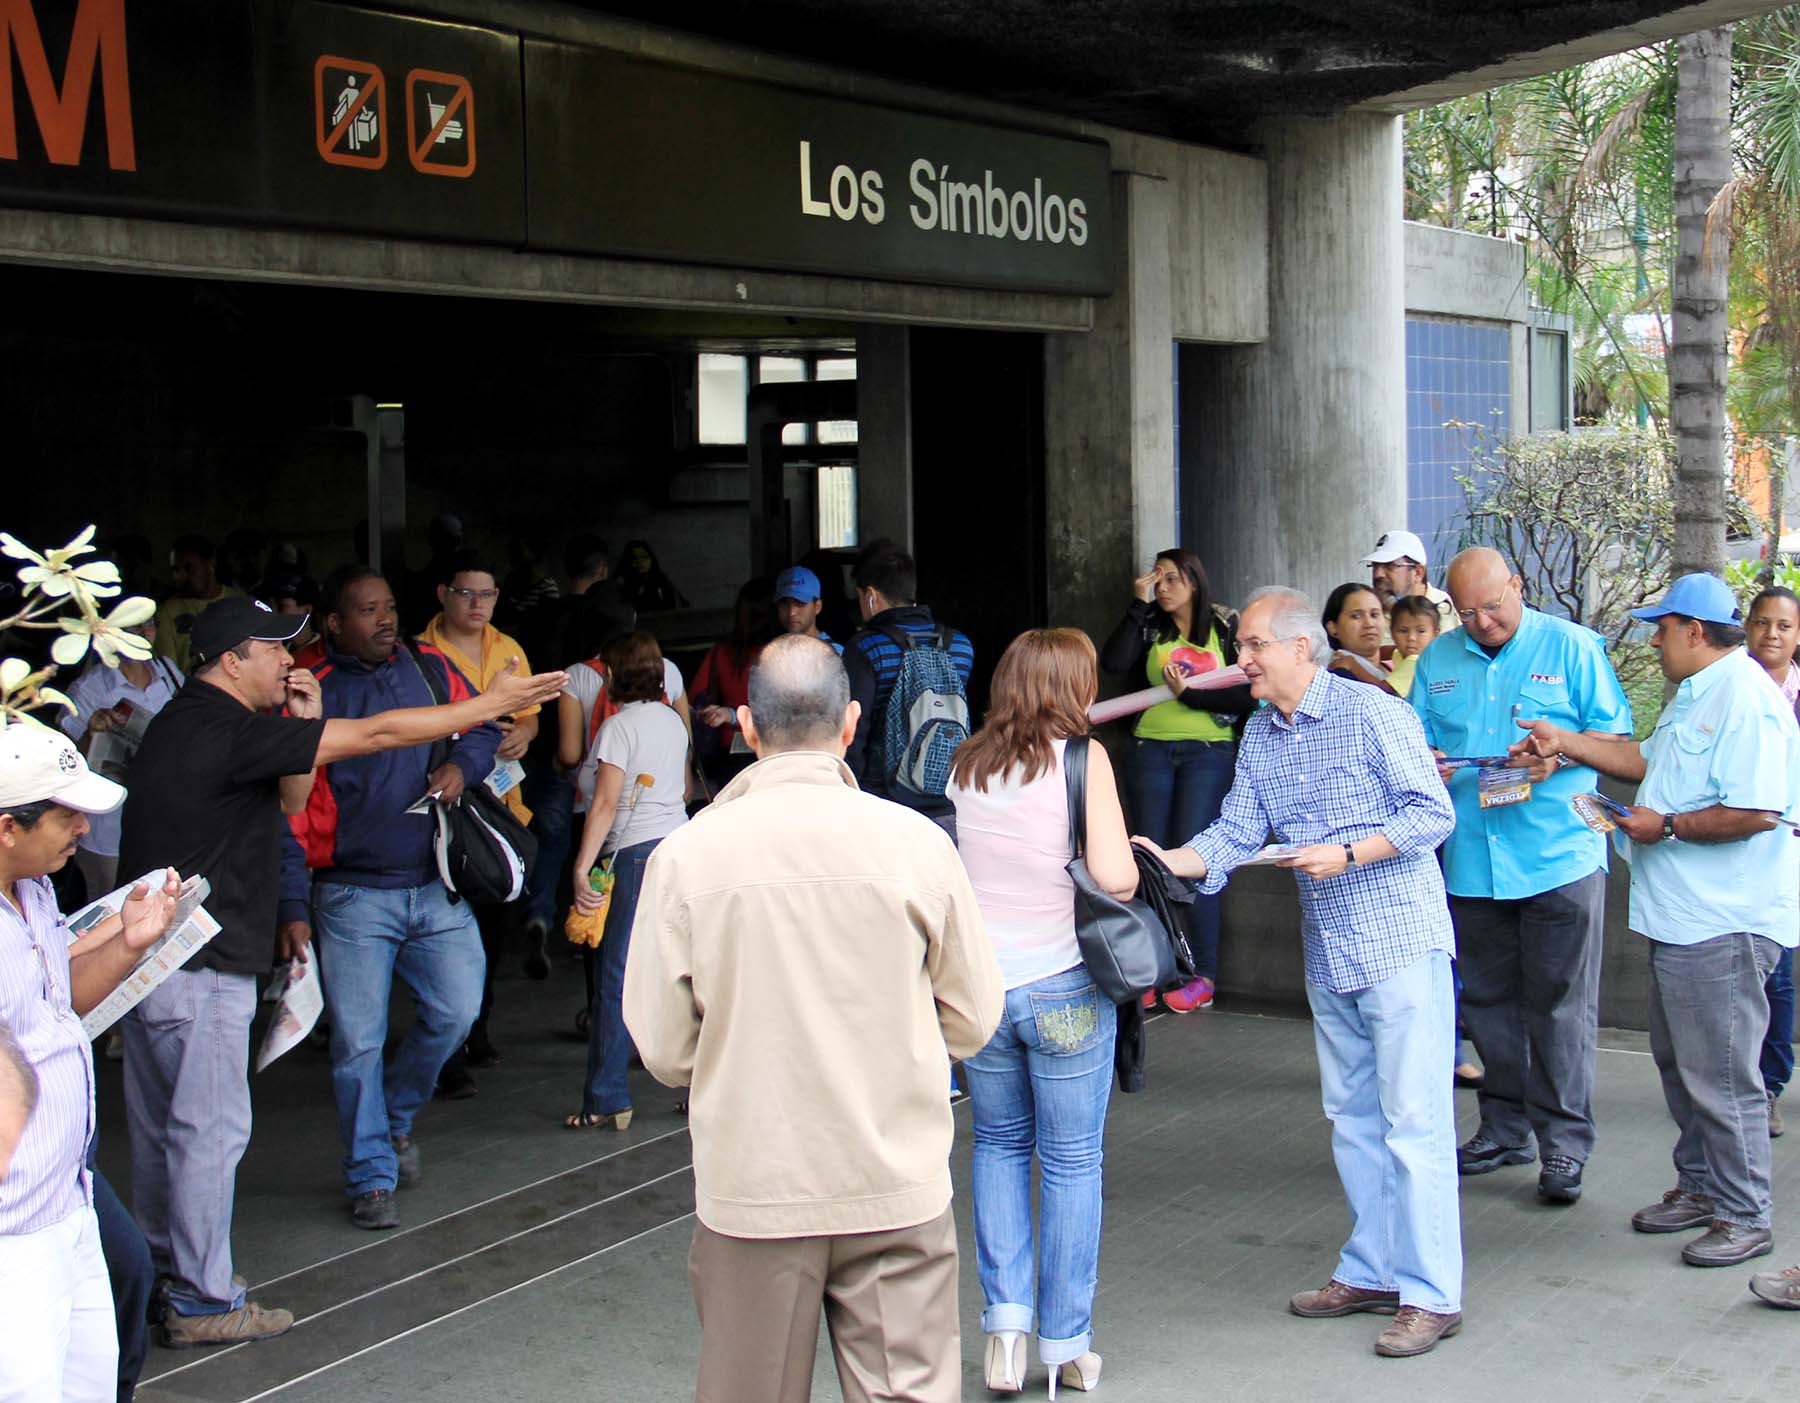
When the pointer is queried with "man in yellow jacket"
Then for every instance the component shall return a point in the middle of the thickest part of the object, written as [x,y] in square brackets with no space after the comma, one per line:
[807,959]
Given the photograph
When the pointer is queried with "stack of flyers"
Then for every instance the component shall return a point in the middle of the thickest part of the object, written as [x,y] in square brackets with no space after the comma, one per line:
[191,928]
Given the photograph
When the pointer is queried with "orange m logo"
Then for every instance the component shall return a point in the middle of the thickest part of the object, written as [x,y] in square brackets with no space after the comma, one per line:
[98,37]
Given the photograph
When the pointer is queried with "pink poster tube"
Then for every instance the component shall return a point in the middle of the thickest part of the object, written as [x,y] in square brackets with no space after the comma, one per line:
[1134,702]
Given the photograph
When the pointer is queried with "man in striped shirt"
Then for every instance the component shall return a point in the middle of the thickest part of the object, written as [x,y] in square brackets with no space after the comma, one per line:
[1341,775]
[55,1297]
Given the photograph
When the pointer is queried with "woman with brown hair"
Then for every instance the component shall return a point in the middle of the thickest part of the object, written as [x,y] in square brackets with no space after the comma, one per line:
[1043,1081]
[640,797]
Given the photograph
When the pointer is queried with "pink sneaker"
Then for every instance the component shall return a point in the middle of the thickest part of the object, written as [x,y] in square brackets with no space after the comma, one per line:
[1198,994]
[1150,999]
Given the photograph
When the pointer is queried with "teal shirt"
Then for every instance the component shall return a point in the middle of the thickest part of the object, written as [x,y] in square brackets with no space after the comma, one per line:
[1550,670]
[1727,738]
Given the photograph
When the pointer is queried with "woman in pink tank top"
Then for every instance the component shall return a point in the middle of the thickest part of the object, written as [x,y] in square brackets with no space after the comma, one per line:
[1042,1083]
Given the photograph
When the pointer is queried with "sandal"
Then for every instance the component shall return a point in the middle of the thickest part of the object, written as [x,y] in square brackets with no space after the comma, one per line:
[598,1120]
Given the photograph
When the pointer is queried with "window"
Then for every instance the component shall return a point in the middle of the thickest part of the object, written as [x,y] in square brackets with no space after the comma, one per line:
[724,382]
[1549,380]
[837,507]
[783,370]
[838,430]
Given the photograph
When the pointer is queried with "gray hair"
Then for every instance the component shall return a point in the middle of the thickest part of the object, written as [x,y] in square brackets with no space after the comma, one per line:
[1294,616]
[799,692]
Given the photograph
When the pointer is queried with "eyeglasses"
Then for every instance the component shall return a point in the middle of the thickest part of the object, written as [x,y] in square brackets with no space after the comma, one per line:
[1468,615]
[486,596]
[1256,647]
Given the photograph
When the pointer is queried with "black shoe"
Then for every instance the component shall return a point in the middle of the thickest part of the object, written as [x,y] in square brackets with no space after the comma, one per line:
[375,1210]
[454,1083]
[406,1161]
[1482,1155]
[537,958]
[479,1052]
[1560,1181]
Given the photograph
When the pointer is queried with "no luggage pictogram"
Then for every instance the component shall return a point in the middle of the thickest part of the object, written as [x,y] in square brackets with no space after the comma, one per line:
[440,123]
[350,104]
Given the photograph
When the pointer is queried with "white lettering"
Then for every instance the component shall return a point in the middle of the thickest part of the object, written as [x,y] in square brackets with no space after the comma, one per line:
[808,205]
[974,220]
[874,208]
[994,206]
[1078,222]
[1024,225]
[1056,219]
[843,178]
[919,175]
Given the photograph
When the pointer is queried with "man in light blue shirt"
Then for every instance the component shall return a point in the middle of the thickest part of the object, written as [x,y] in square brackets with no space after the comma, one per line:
[1715,886]
[1527,880]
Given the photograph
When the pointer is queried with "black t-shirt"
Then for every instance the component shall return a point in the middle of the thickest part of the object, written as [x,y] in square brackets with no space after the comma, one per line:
[204,799]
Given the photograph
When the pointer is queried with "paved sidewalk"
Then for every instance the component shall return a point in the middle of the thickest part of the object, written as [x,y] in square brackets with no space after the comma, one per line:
[541,1264]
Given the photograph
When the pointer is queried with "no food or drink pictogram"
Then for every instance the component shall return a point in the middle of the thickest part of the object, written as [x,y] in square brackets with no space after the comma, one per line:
[440,123]
[350,102]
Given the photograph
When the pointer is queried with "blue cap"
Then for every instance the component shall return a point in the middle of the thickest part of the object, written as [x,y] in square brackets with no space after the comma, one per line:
[1703,597]
[797,582]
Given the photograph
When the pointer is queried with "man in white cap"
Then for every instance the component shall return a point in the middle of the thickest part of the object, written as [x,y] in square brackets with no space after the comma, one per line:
[1397,568]
[55,1296]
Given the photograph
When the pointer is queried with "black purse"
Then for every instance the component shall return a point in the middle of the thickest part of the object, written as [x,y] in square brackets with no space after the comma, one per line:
[1124,944]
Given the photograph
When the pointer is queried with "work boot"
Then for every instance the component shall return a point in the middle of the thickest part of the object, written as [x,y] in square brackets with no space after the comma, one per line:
[375,1210]
[1778,1288]
[1335,1298]
[232,1327]
[1560,1181]
[1678,1212]
[1775,1125]
[1415,1331]
[1727,1244]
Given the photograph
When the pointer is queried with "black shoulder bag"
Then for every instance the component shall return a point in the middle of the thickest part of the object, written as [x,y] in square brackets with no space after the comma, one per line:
[1124,945]
[483,852]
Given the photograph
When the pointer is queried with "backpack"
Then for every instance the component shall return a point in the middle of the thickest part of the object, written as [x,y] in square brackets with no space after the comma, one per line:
[927,714]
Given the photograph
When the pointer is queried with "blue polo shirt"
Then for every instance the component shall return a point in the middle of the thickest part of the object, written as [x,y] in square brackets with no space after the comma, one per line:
[1551,670]
[1727,738]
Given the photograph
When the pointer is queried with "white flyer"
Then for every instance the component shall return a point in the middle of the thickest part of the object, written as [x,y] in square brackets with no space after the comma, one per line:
[301,1002]
[1269,856]
[190,930]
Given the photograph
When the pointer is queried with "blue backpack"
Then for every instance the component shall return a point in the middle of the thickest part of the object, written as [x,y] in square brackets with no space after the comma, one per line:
[927,713]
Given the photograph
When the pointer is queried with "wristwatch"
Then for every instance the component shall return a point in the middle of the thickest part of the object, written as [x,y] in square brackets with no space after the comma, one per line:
[1563,759]
[1349,856]
[1668,826]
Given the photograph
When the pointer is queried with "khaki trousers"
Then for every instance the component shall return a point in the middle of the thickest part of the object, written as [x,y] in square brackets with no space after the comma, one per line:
[889,1300]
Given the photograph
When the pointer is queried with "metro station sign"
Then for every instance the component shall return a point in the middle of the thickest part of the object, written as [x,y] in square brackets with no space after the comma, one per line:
[313,114]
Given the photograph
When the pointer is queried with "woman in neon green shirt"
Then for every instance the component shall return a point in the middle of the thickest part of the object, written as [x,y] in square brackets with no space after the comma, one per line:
[1185,751]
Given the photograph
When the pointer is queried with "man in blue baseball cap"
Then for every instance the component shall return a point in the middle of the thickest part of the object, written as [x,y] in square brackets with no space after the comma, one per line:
[798,601]
[1715,888]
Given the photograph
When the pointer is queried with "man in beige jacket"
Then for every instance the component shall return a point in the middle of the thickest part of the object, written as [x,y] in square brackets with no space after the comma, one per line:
[808,959]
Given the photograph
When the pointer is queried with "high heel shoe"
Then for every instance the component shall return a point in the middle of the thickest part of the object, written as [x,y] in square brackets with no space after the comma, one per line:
[1081,1374]
[1006,1361]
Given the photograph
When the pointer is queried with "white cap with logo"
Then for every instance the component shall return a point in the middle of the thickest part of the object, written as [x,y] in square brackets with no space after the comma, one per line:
[1394,545]
[37,763]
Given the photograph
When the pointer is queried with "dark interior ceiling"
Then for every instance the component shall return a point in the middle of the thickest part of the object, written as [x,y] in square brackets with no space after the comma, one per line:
[1192,69]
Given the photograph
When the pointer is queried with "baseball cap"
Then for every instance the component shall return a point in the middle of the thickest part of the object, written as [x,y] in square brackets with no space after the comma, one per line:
[797,582]
[1393,545]
[37,763]
[225,623]
[1698,596]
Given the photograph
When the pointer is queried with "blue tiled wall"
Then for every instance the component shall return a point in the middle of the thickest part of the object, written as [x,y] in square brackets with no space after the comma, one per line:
[1454,371]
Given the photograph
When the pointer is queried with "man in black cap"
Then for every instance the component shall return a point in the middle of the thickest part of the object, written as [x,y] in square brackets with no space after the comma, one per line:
[209,784]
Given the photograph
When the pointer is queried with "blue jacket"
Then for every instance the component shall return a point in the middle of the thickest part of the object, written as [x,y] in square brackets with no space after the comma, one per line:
[356,828]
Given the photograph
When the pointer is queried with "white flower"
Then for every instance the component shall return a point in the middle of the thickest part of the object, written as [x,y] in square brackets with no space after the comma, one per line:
[111,637]
[55,574]
[12,673]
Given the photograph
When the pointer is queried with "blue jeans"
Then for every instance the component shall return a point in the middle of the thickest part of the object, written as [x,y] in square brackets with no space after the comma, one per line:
[1042,1083]
[1177,790]
[133,1278]
[1778,1042]
[609,1044]
[1393,1131]
[550,795]
[367,935]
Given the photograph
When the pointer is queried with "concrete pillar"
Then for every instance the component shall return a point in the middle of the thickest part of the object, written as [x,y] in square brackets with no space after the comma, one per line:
[884,483]
[1294,450]
[1109,439]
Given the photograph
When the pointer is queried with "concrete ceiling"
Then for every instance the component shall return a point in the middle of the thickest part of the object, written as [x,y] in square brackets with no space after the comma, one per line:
[1190,68]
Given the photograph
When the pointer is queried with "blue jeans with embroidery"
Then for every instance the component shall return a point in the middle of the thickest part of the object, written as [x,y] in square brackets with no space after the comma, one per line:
[1177,790]
[1042,1084]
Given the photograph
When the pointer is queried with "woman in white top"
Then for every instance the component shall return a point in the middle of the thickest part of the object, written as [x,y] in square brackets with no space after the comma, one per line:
[1354,620]
[1043,1081]
[640,797]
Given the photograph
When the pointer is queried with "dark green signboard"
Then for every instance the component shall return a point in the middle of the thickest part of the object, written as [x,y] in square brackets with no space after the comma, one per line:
[638,158]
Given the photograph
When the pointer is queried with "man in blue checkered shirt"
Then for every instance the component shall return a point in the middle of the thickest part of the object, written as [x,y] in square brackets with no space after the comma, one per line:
[1340,774]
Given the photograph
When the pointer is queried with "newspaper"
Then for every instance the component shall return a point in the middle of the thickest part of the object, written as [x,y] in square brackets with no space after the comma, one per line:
[302,1000]
[191,928]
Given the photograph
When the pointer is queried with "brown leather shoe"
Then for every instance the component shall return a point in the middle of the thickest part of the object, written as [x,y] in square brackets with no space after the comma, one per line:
[1338,1299]
[1415,1331]
[1678,1212]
